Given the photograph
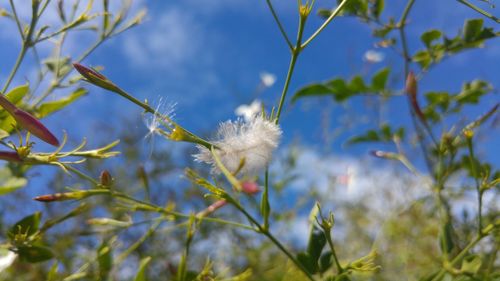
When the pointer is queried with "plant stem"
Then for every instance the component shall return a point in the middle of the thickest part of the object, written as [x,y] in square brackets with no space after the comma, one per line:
[273,239]
[334,253]
[295,54]
[327,21]
[478,186]
[280,26]
[479,10]
[459,257]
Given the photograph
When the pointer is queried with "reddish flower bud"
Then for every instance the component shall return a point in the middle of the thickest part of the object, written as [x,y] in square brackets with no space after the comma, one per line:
[106,178]
[10,156]
[250,187]
[411,90]
[212,208]
[28,122]
[95,77]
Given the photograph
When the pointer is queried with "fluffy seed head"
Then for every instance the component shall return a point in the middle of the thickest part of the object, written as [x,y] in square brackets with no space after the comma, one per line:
[253,141]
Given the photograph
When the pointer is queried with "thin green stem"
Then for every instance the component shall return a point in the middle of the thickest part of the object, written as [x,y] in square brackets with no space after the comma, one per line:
[13,72]
[265,200]
[136,245]
[16,18]
[82,175]
[325,24]
[334,253]
[280,26]
[273,239]
[289,74]
[478,186]
[479,10]
[458,258]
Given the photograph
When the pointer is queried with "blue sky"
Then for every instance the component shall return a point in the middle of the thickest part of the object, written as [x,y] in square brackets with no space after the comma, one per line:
[206,56]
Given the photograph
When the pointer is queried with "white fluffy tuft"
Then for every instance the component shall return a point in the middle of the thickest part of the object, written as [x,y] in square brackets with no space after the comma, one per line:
[253,141]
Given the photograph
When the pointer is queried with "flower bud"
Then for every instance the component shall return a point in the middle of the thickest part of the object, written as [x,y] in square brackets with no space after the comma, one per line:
[10,156]
[106,178]
[28,122]
[250,187]
[212,208]
[95,77]
[411,90]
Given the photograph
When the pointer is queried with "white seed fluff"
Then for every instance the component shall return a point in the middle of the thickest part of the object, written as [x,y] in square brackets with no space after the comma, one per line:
[254,141]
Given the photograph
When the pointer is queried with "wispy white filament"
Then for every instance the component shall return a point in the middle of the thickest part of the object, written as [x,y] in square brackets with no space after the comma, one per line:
[254,141]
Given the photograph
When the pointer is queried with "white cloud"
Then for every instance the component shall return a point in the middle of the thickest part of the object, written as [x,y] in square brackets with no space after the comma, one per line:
[174,39]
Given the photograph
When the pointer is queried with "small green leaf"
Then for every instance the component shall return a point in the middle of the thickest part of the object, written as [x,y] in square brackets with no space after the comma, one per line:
[430,36]
[312,90]
[52,106]
[105,260]
[472,29]
[423,58]
[378,7]
[12,184]
[379,80]
[317,241]
[141,273]
[18,93]
[3,134]
[306,262]
[52,274]
[369,136]
[34,254]
[325,261]
[471,264]
[446,238]
[26,226]
[473,91]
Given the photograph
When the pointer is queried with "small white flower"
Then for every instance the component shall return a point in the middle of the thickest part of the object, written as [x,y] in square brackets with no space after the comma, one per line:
[267,79]
[248,112]
[7,260]
[253,141]
[373,56]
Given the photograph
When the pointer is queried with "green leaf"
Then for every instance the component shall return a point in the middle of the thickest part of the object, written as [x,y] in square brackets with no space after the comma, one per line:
[312,90]
[384,134]
[34,254]
[306,262]
[439,99]
[423,58]
[52,106]
[379,80]
[105,260]
[26,226]
[17,94]
[378,7]
[446,238]
[52,274]
[60,65]
[141,273]
[317,241]
[430,36]
[325,261]
[471,264]
[3,134]
[472,92]
[472,29]
[12,184]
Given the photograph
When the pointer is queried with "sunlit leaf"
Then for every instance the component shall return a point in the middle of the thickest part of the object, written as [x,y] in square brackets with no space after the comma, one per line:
[34,253]
[52,106]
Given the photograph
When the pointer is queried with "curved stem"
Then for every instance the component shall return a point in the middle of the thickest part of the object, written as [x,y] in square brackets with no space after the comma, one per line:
[479,10]
[280,26]
[273,239]
[327,21]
